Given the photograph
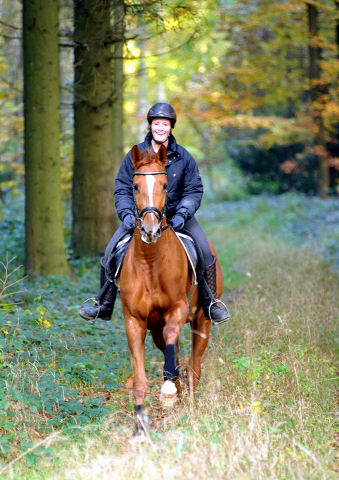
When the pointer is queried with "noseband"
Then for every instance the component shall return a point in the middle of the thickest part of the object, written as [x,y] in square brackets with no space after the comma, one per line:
[159,215]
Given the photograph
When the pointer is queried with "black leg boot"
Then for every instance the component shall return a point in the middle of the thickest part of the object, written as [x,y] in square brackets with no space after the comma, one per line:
[207,293]
[104,308]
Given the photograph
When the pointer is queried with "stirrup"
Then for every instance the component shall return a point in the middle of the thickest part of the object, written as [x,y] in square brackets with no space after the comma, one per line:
[215,322]
[96,303]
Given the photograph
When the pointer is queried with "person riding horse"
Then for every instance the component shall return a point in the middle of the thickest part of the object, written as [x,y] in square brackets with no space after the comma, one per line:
[184,196]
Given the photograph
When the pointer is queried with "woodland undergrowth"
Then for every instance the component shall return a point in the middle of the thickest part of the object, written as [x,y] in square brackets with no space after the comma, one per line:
[266,407]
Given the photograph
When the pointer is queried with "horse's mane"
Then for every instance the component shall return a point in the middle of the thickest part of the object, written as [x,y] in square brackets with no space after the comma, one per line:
[149,158]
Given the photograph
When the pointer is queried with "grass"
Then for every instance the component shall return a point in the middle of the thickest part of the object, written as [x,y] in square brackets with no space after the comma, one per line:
[266,407]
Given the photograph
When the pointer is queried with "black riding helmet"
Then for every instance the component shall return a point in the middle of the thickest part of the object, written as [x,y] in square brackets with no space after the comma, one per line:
[162,110]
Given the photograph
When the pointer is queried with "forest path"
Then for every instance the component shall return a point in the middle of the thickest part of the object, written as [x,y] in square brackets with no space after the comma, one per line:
[266,405]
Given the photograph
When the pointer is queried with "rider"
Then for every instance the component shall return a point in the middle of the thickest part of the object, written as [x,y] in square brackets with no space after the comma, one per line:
[184,195]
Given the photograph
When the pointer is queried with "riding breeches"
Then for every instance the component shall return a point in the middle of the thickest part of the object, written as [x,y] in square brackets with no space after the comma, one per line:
[192,226]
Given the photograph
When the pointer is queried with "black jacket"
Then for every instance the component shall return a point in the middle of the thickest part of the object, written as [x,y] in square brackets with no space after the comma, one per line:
[185,188]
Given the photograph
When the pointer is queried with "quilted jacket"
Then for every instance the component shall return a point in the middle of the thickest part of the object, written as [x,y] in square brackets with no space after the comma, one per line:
[185,187]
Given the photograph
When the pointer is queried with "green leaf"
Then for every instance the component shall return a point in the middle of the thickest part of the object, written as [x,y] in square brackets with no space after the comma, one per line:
[31,459]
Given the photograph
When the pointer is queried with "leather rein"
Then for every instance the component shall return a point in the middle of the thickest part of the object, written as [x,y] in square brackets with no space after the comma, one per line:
[160,215]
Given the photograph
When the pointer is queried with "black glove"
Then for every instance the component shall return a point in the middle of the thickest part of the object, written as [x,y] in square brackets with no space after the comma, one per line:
[129,221]
[177,222]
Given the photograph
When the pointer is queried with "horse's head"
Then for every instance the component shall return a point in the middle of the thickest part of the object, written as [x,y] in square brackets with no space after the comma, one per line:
[150,184]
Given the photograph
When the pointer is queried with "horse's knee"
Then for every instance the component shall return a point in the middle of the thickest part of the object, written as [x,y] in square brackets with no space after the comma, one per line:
[171,332]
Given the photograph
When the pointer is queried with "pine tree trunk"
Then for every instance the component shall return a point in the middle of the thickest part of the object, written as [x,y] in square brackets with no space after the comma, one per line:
[118,75]
[337,42]
[45,251]
[318,91]
[143,98]
[94,218]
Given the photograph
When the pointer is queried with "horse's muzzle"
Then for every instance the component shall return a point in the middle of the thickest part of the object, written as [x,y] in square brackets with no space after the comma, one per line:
[150,237]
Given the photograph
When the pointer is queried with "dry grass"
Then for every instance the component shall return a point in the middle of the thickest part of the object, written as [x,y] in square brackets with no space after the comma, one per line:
[266,405]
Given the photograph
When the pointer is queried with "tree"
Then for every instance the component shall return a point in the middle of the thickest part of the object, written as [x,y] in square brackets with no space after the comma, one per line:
[45,252]
[118,78]
[98,109]
[94,217]
[319,93]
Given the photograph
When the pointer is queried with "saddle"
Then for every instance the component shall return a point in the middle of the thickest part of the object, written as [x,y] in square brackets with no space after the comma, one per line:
[195,258]
[116,259]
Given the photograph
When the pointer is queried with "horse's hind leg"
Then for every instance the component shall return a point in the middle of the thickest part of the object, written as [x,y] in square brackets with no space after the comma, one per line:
[200,335]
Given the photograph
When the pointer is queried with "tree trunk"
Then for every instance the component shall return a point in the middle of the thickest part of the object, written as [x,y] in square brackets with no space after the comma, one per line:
[336,2]
[118,75]
[337,42]
[94,219]
[142,84]
[318,92]
[45,251]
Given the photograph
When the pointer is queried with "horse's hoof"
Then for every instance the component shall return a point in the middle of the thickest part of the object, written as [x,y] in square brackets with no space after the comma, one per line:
[168,393]
[140,437]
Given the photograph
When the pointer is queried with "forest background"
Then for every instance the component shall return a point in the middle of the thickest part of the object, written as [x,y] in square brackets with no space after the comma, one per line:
[255,87]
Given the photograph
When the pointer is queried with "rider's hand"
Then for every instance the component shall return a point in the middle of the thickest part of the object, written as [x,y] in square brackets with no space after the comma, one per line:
[177,222]
[129,221]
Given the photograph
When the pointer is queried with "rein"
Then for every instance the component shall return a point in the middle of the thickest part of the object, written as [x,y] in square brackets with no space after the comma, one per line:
[159,215]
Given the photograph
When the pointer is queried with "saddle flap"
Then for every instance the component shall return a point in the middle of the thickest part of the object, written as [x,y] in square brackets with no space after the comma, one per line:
[193,253]
[116,258]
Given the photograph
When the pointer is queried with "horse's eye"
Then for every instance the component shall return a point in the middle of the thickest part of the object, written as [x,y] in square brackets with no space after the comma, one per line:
[135,187]
[165,186]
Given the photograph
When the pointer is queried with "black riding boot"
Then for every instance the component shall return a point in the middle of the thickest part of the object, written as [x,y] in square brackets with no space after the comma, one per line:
[210,306]
[106,304]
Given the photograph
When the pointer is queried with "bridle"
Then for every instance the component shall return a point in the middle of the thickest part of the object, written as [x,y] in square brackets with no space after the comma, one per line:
[160,215]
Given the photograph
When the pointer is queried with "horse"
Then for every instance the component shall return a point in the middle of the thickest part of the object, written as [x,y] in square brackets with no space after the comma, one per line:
[155,285]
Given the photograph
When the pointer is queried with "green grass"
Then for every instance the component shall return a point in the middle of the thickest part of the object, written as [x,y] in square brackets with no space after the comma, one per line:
[266,406]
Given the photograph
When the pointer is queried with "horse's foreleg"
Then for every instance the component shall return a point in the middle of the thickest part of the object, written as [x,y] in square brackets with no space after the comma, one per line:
[136,344]
[175,320]
[200,335]
[158,339]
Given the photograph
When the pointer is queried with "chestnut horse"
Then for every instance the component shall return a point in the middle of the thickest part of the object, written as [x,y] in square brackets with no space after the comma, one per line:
[155,282]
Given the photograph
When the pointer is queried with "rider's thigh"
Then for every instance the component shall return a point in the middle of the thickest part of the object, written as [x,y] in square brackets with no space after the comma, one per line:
[114,240]
[193,227]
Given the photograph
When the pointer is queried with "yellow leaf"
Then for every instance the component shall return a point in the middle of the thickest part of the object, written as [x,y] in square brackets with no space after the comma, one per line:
[255,407]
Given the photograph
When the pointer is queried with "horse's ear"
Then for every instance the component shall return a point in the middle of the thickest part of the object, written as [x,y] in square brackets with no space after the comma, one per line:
[162,155]
[136,155]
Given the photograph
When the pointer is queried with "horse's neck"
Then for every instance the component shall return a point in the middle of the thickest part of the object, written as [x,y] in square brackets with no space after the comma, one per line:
[154,253]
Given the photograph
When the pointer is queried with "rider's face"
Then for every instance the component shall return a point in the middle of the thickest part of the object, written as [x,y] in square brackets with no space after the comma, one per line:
[161,128]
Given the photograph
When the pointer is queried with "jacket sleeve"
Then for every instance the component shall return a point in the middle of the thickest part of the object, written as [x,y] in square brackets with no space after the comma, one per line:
[123,191]
[192,189]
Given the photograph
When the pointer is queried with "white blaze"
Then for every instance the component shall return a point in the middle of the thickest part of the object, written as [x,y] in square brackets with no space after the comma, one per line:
[150,181]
